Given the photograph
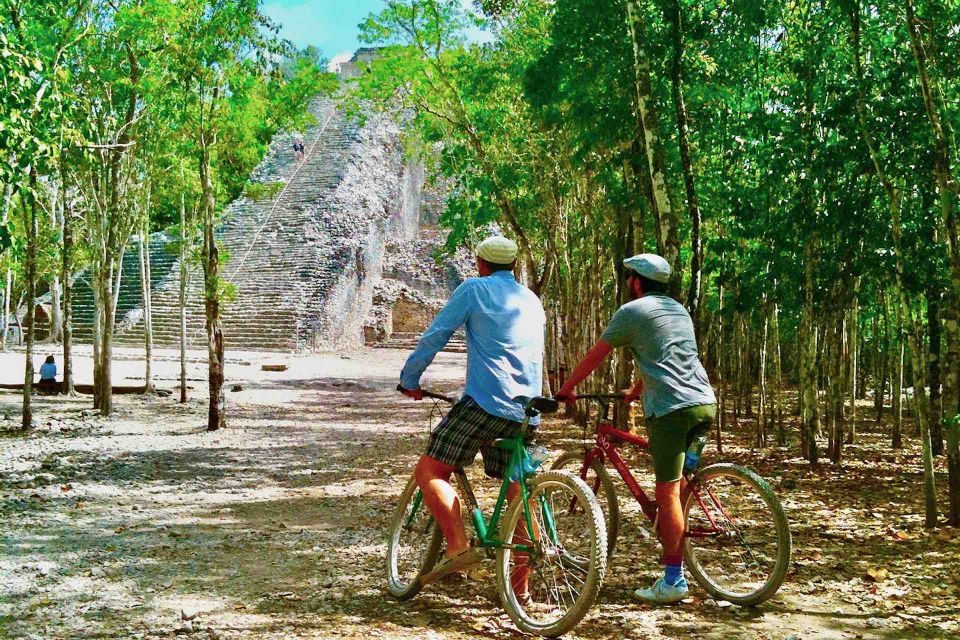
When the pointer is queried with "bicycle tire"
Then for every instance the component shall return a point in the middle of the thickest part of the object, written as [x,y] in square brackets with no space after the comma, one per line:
[405,587]
[783,538]
[612,512]
[597,562]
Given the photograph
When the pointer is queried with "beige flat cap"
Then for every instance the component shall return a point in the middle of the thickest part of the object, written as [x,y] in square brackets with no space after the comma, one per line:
[498,250]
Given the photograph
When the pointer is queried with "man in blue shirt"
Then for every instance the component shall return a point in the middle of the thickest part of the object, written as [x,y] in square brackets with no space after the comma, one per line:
[505,326]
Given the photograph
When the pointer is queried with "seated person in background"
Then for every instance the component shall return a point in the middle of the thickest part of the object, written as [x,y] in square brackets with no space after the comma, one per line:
[48,373]
[48,370]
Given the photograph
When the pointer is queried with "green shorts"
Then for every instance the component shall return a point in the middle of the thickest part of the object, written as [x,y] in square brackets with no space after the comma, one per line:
[671,434]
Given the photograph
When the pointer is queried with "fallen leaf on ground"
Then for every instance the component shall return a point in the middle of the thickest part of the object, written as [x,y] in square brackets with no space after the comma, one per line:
[877,575]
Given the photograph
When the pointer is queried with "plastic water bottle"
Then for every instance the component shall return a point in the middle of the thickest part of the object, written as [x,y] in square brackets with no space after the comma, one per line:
[531,462]
[692,457]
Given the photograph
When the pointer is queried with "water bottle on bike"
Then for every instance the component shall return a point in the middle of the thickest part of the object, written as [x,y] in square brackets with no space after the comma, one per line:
[691,459]
[531,462]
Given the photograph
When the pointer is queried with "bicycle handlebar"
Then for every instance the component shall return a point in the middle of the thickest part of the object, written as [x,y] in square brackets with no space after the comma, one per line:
[600,397]
[431,394]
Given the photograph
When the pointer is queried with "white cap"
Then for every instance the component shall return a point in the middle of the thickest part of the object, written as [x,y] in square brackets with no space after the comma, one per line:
[649,265]
[497,250]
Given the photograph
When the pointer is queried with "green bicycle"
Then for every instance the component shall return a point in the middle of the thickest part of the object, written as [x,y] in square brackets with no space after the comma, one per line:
[561,551]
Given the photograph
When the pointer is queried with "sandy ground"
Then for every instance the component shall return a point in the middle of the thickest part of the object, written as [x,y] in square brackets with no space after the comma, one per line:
[274,527]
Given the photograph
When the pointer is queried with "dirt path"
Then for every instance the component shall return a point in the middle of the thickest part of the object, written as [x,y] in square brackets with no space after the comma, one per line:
[274,527]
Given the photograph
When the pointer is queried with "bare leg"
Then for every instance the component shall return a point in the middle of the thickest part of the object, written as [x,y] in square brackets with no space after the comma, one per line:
[520,576]
[670,518]
[433,477]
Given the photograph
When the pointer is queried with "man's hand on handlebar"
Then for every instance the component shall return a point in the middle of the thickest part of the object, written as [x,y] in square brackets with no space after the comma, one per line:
[416,394]
[631,395]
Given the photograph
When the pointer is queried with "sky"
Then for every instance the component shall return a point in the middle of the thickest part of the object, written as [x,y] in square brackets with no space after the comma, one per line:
[330,25]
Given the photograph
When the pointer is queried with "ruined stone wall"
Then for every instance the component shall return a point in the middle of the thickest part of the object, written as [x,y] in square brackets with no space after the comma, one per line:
[413,316]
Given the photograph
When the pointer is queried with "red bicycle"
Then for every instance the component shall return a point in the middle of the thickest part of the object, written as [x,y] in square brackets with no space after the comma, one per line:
[737,540]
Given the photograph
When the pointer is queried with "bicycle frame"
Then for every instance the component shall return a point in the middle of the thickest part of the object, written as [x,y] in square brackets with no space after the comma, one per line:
[605,448]
[486,529]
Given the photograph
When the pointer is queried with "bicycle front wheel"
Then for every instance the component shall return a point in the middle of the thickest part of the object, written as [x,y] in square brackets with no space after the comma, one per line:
[597,478]
[737,543]
[413,543]
[548,590]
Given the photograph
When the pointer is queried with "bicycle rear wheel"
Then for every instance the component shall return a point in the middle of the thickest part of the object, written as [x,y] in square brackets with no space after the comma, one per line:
[413,543]
[737,544]
[569,562]
[598,479]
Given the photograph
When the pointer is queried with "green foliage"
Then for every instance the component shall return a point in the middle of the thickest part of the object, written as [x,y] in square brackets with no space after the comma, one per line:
[263,190]
[539,133]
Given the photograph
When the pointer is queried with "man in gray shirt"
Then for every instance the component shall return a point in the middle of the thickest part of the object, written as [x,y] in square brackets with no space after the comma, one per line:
[677,398]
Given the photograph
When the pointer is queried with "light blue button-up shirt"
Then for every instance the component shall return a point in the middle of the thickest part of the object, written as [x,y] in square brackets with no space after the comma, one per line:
[505,326]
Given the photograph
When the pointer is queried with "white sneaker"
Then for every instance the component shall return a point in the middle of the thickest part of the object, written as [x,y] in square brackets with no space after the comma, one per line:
[663,593]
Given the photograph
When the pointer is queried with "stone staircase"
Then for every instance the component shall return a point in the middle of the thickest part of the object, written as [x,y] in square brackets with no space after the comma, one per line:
[129,309]
[408,342]
[301,265]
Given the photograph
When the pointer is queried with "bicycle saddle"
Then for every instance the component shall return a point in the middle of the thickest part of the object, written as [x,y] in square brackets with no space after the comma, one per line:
[538,405]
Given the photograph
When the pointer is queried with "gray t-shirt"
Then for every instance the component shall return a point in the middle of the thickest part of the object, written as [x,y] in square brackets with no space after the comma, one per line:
[659,331]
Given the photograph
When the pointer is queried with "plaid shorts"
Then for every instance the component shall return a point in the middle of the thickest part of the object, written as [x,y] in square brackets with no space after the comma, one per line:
[465,430]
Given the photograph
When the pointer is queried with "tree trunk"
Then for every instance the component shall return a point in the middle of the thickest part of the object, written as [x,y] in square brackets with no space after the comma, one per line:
[8,291]
[668,240]
[30,216]
[854,355]
[947,191]
[883,360]
[118,281]
[922,411]
[778,367]
[216,416]
[810,412]
[761,439]
[56,317]
[624,370]
[105,390]
[689,183]
[897,390]
[953,474]
[835,358]
[145,292]
[183,301]
[933,367]
[95,272]
[721,389]
[915,337]
[66,274]
[8,287]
